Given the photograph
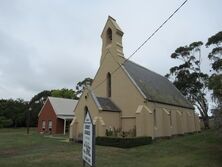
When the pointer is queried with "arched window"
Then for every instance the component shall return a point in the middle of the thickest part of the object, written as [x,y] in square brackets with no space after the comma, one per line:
[109,36]
[108,77]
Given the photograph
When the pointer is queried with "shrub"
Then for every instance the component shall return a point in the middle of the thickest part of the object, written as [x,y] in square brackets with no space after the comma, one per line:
[109,132]
[117,132]
[123,142]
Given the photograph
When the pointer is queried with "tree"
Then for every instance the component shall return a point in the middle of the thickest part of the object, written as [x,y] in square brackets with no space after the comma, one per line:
[5,123]
[82,84]
[216,54]
[17,113]
[215,81]
[37,102]
[65,93]
[12,113]
[189,78]
[35,105]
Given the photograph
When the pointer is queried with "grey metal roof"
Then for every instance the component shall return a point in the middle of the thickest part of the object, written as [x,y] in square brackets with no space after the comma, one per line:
[107,105]
[63,106]
[154,86]
[65,117]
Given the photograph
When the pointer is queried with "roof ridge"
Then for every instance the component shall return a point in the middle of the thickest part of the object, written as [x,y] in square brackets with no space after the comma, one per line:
[52,97]
[145,68]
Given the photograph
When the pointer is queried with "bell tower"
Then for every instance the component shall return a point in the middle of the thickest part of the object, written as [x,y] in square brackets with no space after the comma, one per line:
[112,40]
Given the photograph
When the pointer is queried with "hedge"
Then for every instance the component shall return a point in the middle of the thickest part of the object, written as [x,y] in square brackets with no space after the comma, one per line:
[123,142]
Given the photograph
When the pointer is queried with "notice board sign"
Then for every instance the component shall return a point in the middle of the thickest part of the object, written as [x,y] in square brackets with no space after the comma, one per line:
[88,145]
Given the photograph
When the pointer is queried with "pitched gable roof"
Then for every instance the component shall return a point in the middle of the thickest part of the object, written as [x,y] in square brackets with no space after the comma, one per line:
[107,105]
[103,103]
[154,86]
[63,106]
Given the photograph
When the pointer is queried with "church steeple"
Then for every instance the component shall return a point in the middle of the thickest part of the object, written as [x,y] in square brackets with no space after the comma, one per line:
[112,40]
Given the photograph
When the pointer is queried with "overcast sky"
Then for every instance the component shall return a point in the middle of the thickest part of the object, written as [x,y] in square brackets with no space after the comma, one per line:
[51,44]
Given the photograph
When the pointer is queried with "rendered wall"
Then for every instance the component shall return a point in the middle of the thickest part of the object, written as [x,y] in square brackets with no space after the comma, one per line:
[179,126]
[76,126]
[128,98]
[144,121]
[183,120]
[110,119]
[102,119]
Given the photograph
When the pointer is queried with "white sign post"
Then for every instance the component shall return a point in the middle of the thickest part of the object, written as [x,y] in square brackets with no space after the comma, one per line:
[88,145]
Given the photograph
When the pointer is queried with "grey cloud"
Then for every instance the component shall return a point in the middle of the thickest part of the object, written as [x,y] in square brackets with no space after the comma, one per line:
[49,44]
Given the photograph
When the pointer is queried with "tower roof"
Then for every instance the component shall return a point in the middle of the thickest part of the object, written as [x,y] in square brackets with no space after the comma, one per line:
[111,22]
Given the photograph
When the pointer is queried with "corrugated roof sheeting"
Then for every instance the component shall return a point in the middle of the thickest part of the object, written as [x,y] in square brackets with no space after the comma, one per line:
[63,106]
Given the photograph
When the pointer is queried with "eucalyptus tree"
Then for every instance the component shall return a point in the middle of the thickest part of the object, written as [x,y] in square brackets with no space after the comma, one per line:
[189,78]
[215,80]
[64,93]
[82,84]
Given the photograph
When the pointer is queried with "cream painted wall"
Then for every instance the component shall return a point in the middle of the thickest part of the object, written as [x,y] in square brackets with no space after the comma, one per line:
[144,121]
[111,119]
[183,120]
[127,97]
[124,93]
[77,123]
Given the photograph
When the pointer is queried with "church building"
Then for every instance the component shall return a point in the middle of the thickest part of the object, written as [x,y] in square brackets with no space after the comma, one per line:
[129,97]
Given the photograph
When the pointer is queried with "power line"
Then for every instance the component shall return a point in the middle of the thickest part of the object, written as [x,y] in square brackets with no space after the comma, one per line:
[143,43]
[157,30]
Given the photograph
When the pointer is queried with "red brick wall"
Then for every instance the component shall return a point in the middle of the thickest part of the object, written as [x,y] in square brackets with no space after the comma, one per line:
[47,115]
[60,126]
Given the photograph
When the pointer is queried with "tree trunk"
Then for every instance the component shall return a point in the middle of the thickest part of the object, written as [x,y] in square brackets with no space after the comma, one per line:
[203,108]
[206,122]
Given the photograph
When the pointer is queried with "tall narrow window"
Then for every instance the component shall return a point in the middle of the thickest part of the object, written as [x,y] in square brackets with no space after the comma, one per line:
[108,77]
[50,125]
[109,36]
[85,110]
[43,125]
[170,114]
[154,119]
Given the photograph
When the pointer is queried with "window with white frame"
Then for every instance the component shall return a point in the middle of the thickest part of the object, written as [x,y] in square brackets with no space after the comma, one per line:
[43,125]
[50,125]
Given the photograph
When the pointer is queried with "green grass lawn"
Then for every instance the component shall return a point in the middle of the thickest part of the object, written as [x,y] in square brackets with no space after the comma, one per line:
[17,149]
